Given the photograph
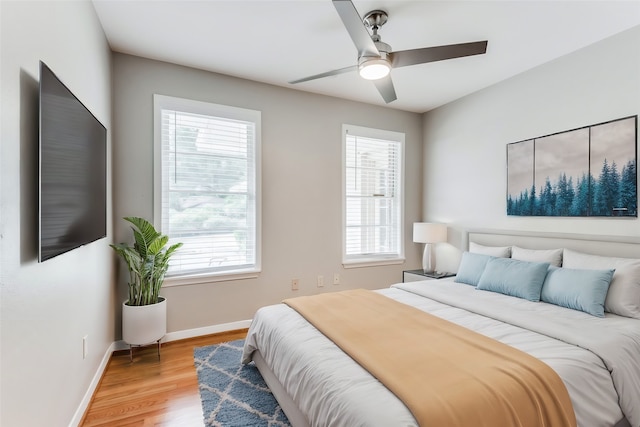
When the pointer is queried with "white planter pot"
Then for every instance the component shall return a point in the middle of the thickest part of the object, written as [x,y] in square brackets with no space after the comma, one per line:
[146,324]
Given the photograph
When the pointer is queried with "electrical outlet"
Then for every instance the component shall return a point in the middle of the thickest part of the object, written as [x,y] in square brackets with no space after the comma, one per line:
[85,346]
[320,281]
[294,284]
[336,279]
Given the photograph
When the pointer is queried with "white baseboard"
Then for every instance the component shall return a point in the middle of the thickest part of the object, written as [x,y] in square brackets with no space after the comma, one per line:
[121,345]
[206,330]
[192,333]
[86,400]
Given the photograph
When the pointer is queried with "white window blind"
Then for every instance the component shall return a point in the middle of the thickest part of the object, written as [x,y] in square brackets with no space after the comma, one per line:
[208,185]
[373,202]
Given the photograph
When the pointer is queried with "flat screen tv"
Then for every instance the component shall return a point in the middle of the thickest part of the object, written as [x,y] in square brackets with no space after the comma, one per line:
[72,169]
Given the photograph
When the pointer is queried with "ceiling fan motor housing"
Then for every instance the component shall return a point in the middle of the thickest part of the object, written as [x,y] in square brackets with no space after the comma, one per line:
[383,48]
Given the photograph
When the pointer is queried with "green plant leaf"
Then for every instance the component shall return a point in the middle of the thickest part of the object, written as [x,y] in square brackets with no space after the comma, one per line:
[147,261]
[157,244]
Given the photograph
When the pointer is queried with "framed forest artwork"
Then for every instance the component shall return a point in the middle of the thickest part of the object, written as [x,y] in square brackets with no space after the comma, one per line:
[590,171]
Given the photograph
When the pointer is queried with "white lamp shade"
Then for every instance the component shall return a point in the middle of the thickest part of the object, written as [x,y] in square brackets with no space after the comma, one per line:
[429,232]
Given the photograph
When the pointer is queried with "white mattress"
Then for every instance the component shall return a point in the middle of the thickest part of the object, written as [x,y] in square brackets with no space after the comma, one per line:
[597,359]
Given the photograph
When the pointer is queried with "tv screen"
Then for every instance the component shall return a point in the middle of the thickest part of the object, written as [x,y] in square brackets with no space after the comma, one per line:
[73,170]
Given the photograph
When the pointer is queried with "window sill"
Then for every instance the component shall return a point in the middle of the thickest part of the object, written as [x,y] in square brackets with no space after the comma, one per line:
[196,279]
[371,262]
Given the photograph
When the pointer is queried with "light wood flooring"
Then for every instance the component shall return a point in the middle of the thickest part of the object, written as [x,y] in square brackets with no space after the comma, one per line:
[152,391]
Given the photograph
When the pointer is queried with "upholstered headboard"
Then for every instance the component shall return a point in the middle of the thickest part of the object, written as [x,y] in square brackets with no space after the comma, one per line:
[619,246]
[448,258]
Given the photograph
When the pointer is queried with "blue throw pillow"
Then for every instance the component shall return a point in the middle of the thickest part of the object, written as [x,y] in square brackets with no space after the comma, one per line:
[471,268]
[513,277]
[583,290]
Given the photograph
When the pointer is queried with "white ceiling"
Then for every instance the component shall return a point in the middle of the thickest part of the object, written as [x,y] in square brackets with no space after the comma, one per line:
[279,41]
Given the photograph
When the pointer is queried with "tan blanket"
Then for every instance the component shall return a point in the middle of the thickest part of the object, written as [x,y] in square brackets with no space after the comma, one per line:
[445,374]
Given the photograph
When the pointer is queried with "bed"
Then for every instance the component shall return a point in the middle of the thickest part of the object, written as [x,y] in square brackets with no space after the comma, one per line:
[597,358]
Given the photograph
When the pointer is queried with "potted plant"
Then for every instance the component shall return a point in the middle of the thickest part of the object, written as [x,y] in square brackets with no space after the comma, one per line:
[144,313]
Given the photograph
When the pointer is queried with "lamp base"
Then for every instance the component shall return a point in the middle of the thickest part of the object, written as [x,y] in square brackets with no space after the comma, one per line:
[428,263]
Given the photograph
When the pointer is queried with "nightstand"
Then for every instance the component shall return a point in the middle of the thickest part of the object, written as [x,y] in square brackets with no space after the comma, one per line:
[418,275]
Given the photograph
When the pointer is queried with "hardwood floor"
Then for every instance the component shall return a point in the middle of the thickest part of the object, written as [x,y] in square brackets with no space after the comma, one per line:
[152,391]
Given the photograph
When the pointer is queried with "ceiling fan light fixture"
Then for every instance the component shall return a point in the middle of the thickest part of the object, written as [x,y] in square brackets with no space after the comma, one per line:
[374,68]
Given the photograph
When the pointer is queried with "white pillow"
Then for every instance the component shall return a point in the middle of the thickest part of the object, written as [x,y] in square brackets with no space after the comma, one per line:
[497,251]
[623,297]
[552,256]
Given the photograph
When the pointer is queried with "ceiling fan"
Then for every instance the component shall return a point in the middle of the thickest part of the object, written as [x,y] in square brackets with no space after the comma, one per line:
[376,59]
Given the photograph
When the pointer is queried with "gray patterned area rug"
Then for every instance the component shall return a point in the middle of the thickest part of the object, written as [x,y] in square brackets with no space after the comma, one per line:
[233,394]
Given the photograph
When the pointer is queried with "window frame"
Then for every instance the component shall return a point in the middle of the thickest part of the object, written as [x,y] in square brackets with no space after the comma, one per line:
[162,102]
[369,260]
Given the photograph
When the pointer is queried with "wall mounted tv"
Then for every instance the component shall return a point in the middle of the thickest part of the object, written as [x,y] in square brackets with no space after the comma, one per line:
[72,169]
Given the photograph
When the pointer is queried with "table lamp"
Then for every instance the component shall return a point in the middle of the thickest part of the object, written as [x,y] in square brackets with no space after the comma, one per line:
[429,233]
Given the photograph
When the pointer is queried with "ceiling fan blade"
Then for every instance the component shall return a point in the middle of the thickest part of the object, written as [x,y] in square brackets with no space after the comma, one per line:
[354,25]
[437,53]
[326,74]
[386,89]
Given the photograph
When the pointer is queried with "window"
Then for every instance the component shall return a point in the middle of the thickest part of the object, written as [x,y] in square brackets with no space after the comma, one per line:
[373,196]
[207,186]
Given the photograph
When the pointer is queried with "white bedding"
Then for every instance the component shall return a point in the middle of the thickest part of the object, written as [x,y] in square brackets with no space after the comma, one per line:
[333,390]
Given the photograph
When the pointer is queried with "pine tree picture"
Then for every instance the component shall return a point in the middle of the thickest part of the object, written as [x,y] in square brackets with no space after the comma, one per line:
[590,171]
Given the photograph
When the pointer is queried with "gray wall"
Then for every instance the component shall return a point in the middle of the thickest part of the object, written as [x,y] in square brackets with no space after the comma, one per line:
[47,308]
[301,183]
[465,141]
